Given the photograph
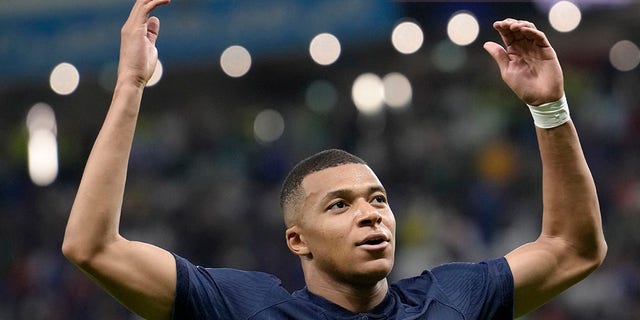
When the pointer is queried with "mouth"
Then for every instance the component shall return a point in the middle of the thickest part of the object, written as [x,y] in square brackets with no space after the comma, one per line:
[374,240]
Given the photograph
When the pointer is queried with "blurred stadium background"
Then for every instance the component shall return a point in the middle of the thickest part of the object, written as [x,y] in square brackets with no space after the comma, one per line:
[246,89]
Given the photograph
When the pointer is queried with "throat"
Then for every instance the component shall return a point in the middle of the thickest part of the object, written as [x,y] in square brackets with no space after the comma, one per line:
[357,299]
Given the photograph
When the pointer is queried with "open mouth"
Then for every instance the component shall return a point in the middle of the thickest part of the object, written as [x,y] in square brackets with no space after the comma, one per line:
[373,240]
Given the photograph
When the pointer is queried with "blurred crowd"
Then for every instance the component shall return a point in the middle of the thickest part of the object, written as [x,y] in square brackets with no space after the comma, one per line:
[460,164]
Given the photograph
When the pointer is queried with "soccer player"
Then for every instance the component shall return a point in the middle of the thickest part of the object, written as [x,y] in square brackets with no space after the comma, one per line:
[338,219]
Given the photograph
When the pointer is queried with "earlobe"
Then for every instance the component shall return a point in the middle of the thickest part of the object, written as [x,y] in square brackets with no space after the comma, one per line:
[296,242]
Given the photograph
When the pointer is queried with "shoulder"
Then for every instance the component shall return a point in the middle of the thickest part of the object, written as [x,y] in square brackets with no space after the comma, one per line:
[214,293]
[482,289]
[458,273]
[222,277]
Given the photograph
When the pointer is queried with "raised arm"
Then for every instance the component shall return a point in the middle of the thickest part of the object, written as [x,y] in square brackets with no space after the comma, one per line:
[571,244]
[139,275]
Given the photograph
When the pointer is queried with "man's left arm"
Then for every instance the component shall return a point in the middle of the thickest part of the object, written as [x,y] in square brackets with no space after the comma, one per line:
[571,244]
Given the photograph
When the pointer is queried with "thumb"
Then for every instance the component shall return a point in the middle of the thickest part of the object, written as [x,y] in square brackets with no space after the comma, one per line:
[153,28]
[498,53]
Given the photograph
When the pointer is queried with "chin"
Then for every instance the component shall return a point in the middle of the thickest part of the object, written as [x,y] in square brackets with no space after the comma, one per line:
[373,271]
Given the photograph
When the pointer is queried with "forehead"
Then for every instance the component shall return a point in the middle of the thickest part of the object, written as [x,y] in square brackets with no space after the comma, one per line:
[342,177]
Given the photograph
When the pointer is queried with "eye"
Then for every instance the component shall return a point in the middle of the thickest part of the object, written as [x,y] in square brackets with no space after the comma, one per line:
[380,199]
[337,205]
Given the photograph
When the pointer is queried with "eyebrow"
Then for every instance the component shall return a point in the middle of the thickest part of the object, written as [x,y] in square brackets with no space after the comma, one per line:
[346,193]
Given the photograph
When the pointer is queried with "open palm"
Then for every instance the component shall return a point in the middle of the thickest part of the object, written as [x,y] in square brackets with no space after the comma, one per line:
[528,65]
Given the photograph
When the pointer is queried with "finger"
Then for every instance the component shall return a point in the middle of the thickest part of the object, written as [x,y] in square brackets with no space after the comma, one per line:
[498,54]
[504,30]
[153,28]
[522,24]
[142,8]
[535,35]
[504,24]
[511,30]
[137,15]
[151,5]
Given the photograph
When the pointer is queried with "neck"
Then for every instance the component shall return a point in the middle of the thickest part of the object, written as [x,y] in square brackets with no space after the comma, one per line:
[355,297]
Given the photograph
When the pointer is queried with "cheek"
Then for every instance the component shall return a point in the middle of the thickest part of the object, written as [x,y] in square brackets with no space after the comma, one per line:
[391,225]
[390,220]
[331,234]
[331,231]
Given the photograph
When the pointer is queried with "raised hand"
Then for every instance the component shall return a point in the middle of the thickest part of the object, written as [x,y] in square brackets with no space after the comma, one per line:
[138,53]
[528,65]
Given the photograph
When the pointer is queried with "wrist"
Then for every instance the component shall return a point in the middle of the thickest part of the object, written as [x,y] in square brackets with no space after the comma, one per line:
[550,115]
[130,78]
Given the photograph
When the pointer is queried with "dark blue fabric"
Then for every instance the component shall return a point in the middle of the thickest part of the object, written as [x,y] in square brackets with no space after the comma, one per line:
[448,292]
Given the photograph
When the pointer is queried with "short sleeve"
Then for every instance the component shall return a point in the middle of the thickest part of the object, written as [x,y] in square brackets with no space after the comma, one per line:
[480,290]
[223,293]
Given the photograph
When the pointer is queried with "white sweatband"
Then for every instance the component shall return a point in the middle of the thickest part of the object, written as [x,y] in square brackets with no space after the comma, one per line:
[551,114]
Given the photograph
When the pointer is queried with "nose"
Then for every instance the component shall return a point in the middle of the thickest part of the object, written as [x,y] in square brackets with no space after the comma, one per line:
[368,215]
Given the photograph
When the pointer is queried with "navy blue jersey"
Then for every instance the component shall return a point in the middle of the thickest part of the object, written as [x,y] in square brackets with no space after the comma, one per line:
[452,291]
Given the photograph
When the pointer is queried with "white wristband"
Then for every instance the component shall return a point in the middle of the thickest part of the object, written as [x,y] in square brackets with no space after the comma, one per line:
[551,114]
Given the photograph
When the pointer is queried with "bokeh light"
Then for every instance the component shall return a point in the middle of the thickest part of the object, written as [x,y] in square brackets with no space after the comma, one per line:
[397,90]
[43,157]
[268,126]
[624,55]
[42,146]
[463,28]
[324,49]
[447,56]
[368,94]
[41,117]
[407,37]
[156,76]
[64,79]
[235,61]
[321,96]
[564,16]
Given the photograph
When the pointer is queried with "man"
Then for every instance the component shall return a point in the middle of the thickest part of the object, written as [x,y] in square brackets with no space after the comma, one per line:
[338,219]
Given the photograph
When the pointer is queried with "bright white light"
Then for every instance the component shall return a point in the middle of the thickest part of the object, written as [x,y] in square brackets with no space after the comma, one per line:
[268,126]
[397,90]
[43,157]
[156,76]
[41,117]
[463,28]
[324,49]
[42,147]
[624,55]
[235,61]
[368,94]
[321,96]
[564,16]
[407,37]
[64,79]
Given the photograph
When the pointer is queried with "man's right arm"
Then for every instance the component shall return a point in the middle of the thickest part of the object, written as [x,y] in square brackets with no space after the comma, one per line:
[139,275]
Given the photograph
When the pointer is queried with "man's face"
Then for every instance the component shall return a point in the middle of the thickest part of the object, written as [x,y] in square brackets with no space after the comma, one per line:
[347,224]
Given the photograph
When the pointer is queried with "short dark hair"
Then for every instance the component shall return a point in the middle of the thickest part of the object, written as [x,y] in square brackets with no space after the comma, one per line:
[291,188]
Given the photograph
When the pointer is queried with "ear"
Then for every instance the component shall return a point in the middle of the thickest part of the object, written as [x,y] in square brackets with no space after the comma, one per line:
[296,242]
